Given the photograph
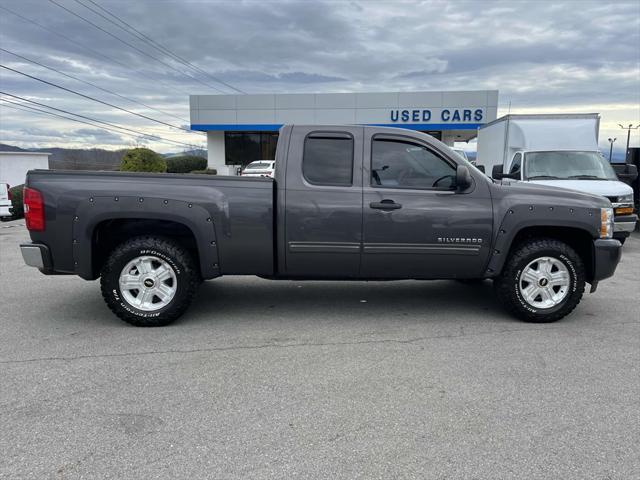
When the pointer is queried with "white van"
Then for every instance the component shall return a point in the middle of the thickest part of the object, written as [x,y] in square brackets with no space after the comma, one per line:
[556,150]
[5,200]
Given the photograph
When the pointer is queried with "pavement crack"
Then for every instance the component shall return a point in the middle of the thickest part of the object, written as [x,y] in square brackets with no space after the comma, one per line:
[460,334]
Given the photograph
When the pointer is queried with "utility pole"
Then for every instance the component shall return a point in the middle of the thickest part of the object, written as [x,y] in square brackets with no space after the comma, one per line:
[611,142]
[628,129]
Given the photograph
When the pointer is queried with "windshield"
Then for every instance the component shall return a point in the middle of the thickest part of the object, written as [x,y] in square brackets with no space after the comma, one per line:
[567,165]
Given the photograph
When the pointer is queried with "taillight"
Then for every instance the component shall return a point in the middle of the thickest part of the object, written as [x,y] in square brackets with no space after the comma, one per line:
[33,209]
[9,191]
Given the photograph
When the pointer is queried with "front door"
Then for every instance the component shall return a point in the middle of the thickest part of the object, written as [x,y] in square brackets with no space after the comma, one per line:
[323,234]
[415,224]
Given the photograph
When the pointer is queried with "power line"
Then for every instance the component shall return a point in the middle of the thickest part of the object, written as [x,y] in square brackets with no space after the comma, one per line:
[70,113]
[113,125]
[133,46]
[136,132]
[43,112]
[148,40]
[65,37]
[84,47]
[89,83]
[94,99]
[38,111]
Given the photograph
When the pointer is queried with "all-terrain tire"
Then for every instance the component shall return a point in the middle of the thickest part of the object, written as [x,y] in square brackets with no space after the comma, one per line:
[507,285]
[185,275]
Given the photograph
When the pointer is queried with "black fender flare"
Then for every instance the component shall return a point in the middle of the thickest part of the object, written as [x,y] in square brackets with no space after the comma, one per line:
[519,217]
[97,209]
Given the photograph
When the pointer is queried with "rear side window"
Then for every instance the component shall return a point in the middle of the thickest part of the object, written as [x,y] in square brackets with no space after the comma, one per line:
[328,159]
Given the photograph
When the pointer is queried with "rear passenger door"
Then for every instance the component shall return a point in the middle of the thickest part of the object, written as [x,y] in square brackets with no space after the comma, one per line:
[323,205]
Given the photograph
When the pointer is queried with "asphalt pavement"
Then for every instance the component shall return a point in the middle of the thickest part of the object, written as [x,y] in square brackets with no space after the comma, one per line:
[328,380]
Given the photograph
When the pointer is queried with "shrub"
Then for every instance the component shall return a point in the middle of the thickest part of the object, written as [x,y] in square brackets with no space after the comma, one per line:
[17,207]
[206,171]
[185,164]
[142,160]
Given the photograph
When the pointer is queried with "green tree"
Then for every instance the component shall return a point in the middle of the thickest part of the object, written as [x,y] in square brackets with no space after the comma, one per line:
[185,164]
[17,208]
[142,160]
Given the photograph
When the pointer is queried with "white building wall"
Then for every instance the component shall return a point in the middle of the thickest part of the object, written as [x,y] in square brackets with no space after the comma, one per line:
[15,165]
[215,151]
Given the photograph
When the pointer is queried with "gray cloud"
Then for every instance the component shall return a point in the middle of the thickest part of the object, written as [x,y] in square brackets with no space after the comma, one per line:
[547,55]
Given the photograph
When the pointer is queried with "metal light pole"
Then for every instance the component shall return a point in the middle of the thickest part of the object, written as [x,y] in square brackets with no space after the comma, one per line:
[611,142]
[628,129]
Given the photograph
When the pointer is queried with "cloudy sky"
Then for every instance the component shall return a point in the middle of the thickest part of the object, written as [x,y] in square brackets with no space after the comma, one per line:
[543,56]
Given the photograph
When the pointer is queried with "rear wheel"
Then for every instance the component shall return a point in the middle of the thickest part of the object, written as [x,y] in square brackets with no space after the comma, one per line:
[542,281]
[149,281]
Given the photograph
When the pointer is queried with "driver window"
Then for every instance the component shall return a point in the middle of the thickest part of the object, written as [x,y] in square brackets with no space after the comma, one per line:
[517,162]
[399,164]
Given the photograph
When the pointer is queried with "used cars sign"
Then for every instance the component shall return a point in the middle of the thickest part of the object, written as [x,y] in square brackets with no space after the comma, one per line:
[446,115]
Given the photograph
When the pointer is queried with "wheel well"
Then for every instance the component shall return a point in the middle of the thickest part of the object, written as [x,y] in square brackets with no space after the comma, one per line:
[578,239]
[110,233]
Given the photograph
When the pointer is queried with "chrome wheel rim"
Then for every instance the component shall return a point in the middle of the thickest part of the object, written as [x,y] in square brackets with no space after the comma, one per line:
[148,283]
[544,282]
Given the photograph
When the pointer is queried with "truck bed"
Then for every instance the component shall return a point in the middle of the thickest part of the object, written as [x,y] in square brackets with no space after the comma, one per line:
[233,215]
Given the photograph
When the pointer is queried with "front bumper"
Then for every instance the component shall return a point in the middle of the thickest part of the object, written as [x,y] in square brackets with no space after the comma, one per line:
[37,255]
[607,252]
[624,224]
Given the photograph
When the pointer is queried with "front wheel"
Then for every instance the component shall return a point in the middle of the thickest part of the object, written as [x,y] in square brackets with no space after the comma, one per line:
[542,281]
[149,281]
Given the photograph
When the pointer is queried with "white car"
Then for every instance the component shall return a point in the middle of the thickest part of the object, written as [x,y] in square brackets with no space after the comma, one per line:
[259,168]
[5,200]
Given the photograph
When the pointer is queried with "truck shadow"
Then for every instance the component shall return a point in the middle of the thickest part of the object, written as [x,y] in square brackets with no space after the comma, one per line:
[250,299]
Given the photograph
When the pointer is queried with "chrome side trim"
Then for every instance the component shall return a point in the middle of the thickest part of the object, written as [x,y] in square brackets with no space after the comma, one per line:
[374,248]
[421,248]
[324,247]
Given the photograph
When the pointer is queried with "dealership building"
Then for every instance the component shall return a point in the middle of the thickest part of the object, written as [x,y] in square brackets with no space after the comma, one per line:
[244,128]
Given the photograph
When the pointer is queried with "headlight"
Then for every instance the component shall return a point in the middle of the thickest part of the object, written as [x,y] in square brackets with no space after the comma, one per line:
[606,222]
[624,205]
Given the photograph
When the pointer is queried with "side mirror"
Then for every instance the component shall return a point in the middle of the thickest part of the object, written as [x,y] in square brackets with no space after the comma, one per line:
[626,172]
[463,178]
[497,173]
[481,168]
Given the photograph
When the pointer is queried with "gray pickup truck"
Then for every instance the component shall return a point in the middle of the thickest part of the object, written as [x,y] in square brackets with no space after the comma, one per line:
[347,202]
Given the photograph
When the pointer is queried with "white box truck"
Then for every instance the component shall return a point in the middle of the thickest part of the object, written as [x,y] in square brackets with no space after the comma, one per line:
[558,150]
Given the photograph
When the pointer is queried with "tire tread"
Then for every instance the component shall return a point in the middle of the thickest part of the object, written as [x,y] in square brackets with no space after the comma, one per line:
[504,283]
[167,245]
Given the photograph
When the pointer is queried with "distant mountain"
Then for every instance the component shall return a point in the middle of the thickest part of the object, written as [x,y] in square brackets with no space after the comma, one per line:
[87,159]
[10,148]
[196,153]
[75,158]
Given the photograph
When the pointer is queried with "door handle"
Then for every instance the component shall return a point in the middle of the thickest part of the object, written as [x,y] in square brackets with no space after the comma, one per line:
[385,204]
